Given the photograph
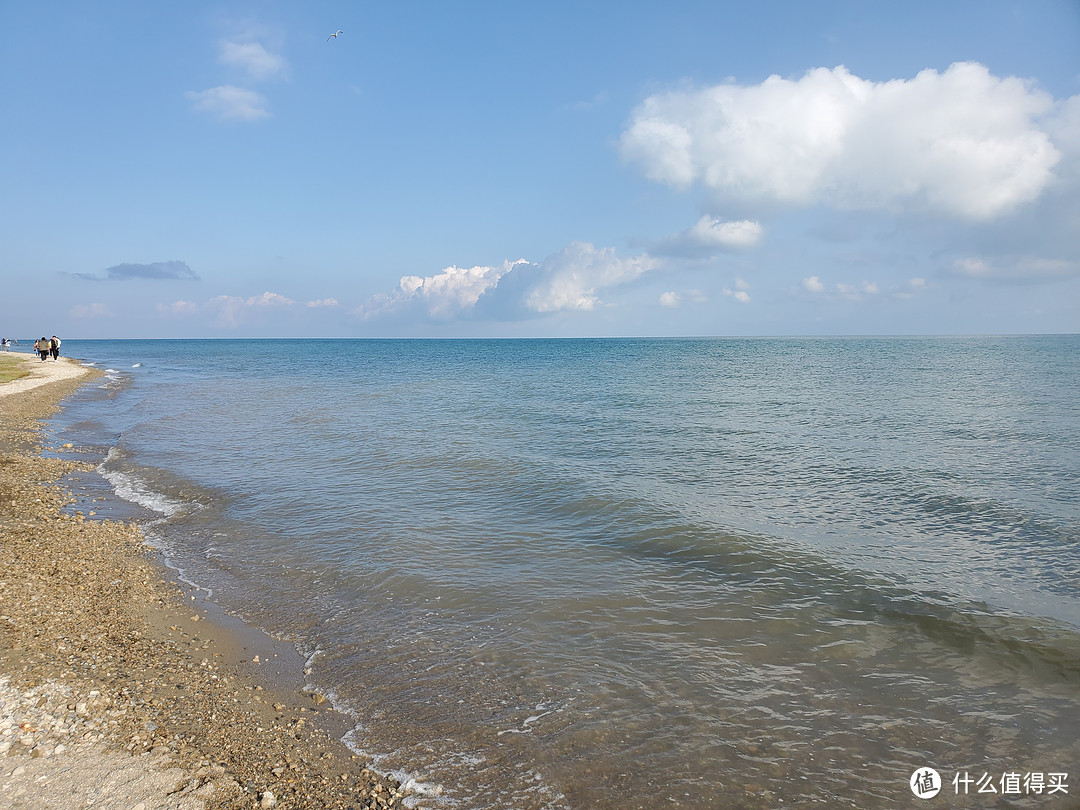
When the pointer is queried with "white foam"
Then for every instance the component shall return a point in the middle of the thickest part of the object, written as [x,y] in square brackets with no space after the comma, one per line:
[410,784]
[130,488]
[154,540]
[137,365]
[527,722]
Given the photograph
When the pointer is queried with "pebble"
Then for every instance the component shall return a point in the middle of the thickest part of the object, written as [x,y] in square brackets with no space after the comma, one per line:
[88,670]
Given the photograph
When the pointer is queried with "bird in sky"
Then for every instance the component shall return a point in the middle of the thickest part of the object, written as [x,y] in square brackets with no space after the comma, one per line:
[334,35]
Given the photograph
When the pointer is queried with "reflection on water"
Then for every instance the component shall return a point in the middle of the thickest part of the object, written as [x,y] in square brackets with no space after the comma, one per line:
[637,573]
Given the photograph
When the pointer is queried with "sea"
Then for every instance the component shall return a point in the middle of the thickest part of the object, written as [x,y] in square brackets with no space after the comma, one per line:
[634,573]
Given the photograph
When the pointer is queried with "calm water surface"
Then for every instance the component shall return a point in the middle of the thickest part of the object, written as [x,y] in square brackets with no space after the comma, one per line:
[635,573]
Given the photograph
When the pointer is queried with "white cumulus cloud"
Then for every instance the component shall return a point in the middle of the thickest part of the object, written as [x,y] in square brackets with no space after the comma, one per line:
[229,103]
[444,294]
[962,142]
[740,293]
[573,277]
[670,299]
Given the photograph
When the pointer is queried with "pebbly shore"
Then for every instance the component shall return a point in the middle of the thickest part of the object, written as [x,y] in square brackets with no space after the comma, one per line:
[116,691]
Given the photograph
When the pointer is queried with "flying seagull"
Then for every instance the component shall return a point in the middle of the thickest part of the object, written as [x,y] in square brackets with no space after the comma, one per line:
[334,35]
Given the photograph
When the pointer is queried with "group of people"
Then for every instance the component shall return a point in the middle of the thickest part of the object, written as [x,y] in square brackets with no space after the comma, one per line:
[5,344]
[48,346]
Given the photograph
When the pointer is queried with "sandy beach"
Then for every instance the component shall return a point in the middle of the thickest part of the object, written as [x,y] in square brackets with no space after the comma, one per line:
[119,688]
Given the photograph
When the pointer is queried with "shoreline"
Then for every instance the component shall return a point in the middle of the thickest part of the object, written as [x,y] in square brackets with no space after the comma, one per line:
[119,686]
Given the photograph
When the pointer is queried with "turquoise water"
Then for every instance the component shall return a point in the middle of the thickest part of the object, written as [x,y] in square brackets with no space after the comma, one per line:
[634,573]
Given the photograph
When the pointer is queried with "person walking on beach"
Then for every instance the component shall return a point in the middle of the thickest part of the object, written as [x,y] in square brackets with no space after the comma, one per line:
[42,347]
[54,347]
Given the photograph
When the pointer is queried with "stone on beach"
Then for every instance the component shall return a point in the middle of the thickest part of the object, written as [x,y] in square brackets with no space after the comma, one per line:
[109,696]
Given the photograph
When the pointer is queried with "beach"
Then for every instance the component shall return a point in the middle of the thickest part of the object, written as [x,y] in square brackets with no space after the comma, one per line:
[116,689]
[542,575]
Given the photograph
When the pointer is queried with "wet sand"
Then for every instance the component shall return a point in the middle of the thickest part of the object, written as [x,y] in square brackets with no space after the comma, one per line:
[116,689]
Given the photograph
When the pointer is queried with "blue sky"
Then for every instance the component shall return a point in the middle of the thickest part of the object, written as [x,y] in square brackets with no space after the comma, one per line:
[544,169]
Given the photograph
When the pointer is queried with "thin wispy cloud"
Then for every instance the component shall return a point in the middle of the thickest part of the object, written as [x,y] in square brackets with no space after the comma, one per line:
[154,271]
[817,289]
[252,59]
[674,300]
[231,311]
[229,103]
[178,308]
[91,310]
[1014,269]
[708,236]
[913,287]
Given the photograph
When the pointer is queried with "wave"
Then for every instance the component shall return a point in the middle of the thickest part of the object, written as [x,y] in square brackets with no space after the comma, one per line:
[128,485]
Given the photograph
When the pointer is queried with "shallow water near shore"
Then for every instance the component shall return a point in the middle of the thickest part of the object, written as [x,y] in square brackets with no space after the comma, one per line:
[622,573]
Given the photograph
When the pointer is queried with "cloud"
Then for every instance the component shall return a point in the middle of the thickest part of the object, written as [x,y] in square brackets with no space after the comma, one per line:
[856,292]
[155,271]
[740,293]
[963,142]
[572,278]
[443,295]
[178,308]
[454,289]
[1014,269]
[849,292]
[585,106]
[229,103]
[911,288]
[94,310]
[251,58]
[323,302]
[231,310]
[674,300]
[709,235]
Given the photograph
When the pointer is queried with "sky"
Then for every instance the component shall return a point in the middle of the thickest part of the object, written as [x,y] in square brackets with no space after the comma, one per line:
[556,169]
